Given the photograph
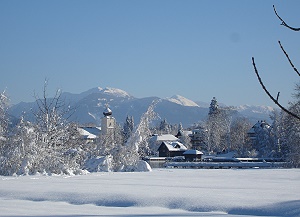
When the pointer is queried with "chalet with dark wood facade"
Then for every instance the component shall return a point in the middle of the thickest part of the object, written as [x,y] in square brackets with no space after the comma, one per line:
[171,149]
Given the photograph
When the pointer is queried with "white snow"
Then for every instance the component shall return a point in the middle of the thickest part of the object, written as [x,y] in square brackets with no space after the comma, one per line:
[192,151]
[182,101]
[164,137]
[89,132]
[162,192]
[115,91]
[93,116]
[259,109]
[175,146]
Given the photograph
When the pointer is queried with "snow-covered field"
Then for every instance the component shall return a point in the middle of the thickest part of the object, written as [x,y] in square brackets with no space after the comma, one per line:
[162,192]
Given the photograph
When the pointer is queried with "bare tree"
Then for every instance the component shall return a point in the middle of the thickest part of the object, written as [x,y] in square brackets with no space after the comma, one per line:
[273,98]
[283,22]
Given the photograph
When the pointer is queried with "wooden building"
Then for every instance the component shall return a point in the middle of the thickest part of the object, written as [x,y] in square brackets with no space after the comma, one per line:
[192,155]
[171,149]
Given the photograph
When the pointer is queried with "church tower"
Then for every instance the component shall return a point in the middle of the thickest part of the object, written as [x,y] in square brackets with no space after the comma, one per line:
[108,122]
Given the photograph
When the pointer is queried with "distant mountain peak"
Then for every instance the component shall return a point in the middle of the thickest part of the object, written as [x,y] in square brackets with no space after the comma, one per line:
[182,101]
[115,91]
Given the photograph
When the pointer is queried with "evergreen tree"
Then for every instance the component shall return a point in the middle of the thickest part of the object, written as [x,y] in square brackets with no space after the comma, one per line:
[214,107]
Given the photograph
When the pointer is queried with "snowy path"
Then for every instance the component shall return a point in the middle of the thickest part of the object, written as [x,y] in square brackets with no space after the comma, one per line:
[162,192]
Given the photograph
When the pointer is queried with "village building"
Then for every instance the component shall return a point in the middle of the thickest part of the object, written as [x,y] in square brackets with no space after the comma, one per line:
[89,133]
[259,126]
[192,155]
[158,139]
[171,149]
[198,138]
[108,123]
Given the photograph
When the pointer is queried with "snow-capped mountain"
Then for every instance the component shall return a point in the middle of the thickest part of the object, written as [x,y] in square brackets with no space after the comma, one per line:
[180,100]
[255,109]
[114,92]
[177,109]
[255,112]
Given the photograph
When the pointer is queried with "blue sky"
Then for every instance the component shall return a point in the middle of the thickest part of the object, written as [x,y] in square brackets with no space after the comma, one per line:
[198,49]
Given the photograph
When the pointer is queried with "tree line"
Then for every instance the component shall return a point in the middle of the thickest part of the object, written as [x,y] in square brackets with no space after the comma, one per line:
[53,145]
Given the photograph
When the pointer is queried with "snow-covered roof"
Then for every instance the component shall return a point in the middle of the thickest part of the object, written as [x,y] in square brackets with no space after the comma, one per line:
[165,137]
[259,125]
[89,132]
[192,152]
[185,133]
[175,146]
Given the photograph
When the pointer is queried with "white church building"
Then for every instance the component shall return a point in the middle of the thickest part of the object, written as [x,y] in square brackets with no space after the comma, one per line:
[108,123]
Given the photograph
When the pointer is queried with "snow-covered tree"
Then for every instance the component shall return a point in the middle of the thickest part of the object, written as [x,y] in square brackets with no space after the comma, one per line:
[276,133]
[290,142]
[56,137]
[290,147]
[5,148]
[218,127]
[24,154]
[4,120]
[128,127]
[137,145]
[164,127]
[239,136]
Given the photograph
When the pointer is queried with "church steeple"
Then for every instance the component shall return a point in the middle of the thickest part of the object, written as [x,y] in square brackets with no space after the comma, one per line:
[107,111]
[108,122]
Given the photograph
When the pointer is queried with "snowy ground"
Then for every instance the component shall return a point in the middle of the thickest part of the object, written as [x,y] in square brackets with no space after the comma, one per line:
[162,192]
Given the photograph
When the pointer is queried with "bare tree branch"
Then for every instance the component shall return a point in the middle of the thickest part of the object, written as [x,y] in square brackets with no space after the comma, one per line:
[287,56]
[283,22]
[277,98]
[269,94]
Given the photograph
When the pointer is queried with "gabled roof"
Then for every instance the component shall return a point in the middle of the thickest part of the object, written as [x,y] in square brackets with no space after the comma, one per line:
[174,146]
[259,125]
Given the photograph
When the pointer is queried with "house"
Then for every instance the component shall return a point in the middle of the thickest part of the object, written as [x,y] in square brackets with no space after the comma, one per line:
[192,155]
[158,139]
[258,127]
[171,149]
[198,138]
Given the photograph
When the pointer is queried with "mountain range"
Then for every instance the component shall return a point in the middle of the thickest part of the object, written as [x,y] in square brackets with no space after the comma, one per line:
[89,107]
